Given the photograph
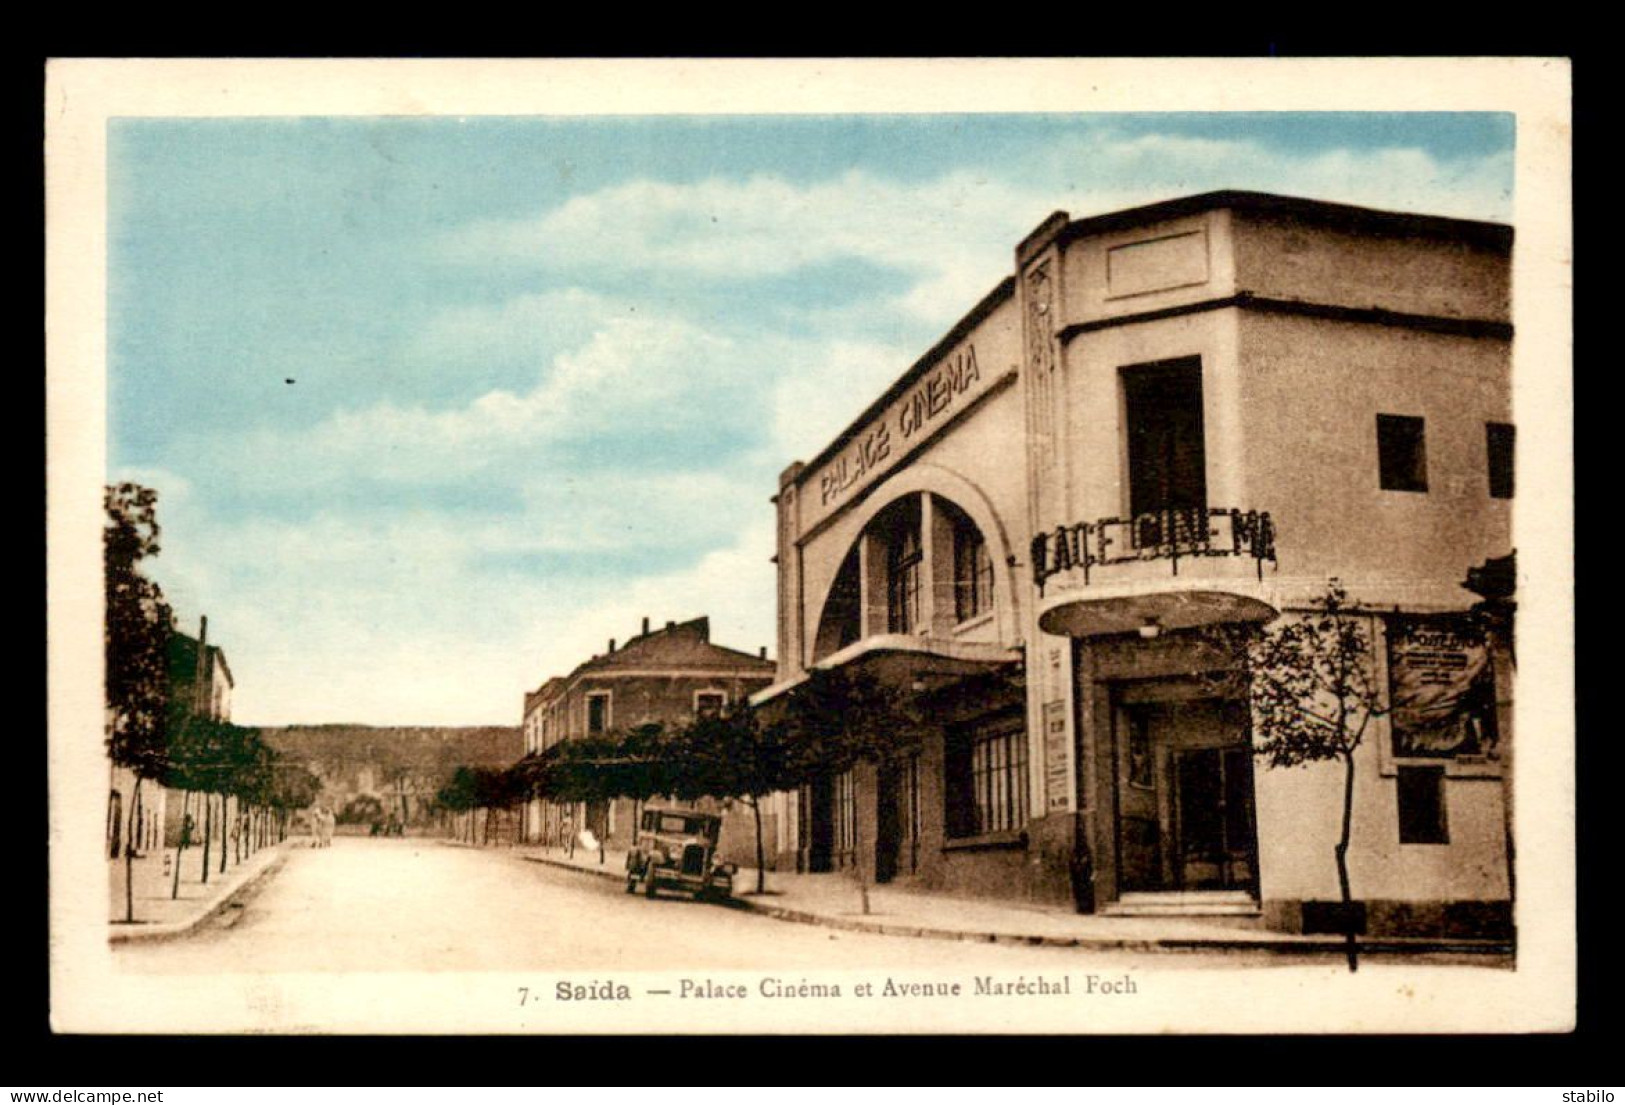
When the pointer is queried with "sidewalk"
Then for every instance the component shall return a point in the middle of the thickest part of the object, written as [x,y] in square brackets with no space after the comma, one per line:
[160,917]
[831,900]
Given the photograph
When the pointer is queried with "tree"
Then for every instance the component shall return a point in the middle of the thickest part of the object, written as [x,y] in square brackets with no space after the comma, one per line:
[187,770]
[293,787]
[137,625]
[1312,684]
[835,720]
[458,795]
[363,809]
[733,756]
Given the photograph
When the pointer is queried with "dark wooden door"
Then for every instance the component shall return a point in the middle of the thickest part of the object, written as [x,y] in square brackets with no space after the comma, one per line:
[1216,838]
[889,822]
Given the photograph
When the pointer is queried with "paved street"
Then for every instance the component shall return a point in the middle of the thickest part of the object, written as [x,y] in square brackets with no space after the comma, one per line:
[420,905]
[390,905]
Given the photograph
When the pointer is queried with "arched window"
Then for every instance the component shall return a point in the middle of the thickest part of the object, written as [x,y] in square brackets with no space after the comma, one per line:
[904,558]
[973,566]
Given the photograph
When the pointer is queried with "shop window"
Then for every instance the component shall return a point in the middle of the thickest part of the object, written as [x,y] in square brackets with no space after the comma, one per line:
[1167,459]
[597,712]
[986,779]
[973,571]
[709,703]
[904,557]
[1498,438]
[1402,460]
[1421,806]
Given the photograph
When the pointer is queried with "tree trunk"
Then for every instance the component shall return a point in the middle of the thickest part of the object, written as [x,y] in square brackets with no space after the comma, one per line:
[129,852]
[180,847]
[857,849]
[1343,860]
[208,832]
[225,826]
[761,855]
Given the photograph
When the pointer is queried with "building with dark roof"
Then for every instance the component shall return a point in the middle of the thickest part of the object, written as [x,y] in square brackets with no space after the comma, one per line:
[663,676]
[1185,415]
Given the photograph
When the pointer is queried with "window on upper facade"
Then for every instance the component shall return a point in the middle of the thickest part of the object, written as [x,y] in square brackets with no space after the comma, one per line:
[904,557]
[1167,455]
[597,712]
[1402,456]
[973,571]
[1421,806]
[1498,438]
[986,778]
[709,703]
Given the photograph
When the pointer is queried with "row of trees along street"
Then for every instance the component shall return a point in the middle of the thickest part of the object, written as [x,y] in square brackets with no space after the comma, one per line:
[828,723]
[160,736]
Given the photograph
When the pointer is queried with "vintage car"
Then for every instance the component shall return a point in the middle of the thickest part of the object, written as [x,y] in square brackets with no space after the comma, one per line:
[677,848]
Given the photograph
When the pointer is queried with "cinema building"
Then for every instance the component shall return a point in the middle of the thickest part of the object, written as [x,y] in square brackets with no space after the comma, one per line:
[665,676]
[1166,419]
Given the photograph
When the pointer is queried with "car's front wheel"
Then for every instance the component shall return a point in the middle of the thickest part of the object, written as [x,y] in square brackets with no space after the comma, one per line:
[649,879]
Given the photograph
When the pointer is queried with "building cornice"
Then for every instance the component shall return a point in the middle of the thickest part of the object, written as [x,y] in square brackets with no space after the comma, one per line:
[1329,312]
[1342,216]
[570,684]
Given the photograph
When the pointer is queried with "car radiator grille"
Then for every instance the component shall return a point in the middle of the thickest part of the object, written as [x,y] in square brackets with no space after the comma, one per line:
[694,860]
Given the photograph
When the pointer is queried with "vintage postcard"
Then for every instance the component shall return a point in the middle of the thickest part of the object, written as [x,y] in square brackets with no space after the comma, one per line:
[909,546]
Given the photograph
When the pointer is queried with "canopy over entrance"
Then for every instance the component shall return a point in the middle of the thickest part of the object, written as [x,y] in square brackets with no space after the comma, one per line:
[1151,613]
[900,660]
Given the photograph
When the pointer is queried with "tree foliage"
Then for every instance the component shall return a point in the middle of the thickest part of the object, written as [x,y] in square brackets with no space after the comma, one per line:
[1311,681]
[729,755]
[458,794]
[138,622]
[1313,688]
[733,756]
[835,720]
[636,763]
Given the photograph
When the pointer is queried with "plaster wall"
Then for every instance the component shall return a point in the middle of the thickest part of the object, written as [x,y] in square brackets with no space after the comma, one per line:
[1309,395]
[1456,278]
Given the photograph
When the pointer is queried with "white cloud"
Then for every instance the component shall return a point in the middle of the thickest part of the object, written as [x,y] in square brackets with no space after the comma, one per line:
[525,327]
[1114,172]
[631,370]
[762,226]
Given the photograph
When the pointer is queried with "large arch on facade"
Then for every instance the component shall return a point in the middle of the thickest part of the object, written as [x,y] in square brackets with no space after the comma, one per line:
[968,499]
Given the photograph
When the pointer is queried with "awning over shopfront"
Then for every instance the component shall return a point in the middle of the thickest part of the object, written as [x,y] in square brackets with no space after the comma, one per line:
[897,659]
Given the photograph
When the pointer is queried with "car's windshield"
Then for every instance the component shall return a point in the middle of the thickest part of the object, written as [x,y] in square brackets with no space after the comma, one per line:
[676,823]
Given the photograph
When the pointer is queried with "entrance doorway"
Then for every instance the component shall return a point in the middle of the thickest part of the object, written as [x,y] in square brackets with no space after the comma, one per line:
[817,820]
[1184,796]
[897,813]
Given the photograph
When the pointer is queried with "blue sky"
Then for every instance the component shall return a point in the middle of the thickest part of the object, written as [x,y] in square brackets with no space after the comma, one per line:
[545,371]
